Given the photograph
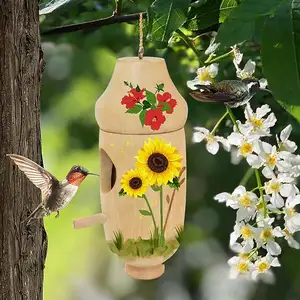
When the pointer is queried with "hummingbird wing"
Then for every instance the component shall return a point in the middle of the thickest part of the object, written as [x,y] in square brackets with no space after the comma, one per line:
[212,96]
[40,177]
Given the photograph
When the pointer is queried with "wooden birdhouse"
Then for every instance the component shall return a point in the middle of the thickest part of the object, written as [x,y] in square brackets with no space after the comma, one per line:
[142,149]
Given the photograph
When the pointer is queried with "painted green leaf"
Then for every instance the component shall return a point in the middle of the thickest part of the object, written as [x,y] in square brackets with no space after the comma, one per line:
[160,87]
[168,15]
[166,106]
[226,7]
[142,117]
[135,110]
[204,16]
[145,212]
[146,104]
[155,188]
[150,97]
[281,56]
[240,24]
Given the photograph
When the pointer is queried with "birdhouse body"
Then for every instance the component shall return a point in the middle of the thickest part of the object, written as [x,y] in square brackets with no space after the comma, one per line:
[141,116]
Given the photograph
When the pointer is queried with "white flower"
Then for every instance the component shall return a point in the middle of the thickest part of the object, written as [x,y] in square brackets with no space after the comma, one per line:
[248,70]
[263,83]
[245,202]
[245,146]
[246,232]
[266,234]
[256,124]
[239,265]
[237,56]
[235,158]
[292,218]
[268,156]
[284,144]
[262,266]
[212,141]
[289,238]
[205,76]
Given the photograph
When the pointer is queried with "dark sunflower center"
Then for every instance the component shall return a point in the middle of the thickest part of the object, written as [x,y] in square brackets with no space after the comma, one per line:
[135,183]
[157,162]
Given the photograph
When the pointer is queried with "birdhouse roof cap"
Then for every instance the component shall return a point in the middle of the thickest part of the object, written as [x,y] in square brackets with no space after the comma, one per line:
[141,99]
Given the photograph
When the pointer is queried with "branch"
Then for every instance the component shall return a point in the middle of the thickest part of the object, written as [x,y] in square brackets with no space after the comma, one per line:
[93,24]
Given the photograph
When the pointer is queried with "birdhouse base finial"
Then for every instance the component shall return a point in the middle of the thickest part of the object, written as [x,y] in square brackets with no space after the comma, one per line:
[145,273]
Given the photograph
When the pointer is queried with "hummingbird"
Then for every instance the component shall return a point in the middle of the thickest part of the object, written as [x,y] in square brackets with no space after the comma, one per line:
[56,194]
[233,93]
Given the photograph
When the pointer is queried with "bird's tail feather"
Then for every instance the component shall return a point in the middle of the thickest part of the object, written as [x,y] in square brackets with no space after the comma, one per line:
[39,212]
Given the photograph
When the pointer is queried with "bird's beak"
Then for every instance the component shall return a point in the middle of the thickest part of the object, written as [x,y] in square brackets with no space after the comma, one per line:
[265,90]
[89,173]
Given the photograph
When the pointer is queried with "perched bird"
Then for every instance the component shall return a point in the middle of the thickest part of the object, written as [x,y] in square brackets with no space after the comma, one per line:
[233,93]
[56,194]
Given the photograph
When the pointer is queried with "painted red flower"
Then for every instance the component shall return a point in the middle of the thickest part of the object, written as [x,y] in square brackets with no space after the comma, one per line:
[154,118]
[166,98]
[138,95]
[132,98]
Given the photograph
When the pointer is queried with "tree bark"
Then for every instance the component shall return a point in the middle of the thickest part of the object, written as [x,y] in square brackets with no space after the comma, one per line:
[22,248]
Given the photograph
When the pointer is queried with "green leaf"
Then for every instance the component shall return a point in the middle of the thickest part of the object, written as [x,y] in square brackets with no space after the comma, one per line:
[204,16]
[166,106]
[281,56]
[135,110]
[122,193]
[145,212]
[155,188]
[150,97]
[142,117]
[168,15]
[226,7]
[160,87]
[240,24]
[146,104]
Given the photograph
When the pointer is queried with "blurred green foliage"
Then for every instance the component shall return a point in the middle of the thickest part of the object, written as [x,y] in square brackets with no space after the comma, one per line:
[79,264]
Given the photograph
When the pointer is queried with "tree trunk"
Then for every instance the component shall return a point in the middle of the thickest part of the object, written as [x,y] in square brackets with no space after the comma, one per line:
[22,249]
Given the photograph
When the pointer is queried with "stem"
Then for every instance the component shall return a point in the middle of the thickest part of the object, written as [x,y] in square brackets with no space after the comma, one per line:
[188,41]
[219,122]
[95,24]
[261,192]
[211,59]
[246,177]
[232,117]
[162,237]
[150,209]
[118,7]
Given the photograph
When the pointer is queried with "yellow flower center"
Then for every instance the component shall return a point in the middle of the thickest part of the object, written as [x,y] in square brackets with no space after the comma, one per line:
[263,267]
[245,201]
[275,187]
[246,148]
[243,255]
[271,160]
[292,211]
[246,232]
[210,138]
[243,267]
[204,75]
[286,231]
[260,206]
[266,234]
[257,123]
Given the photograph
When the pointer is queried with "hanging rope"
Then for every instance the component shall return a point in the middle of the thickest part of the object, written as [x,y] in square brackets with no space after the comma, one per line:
[141,47]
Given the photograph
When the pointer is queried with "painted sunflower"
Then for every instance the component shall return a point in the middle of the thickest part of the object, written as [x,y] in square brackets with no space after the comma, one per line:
[160,162]
[134,183]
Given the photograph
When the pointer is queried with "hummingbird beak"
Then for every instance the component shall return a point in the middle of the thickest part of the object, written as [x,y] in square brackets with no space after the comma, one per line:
[266,90]
[89,173]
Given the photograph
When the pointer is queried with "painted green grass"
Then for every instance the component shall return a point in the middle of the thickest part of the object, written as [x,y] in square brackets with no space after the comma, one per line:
[143,247]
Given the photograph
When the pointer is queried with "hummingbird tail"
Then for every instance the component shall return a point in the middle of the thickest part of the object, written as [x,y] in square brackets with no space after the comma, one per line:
[38,213]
